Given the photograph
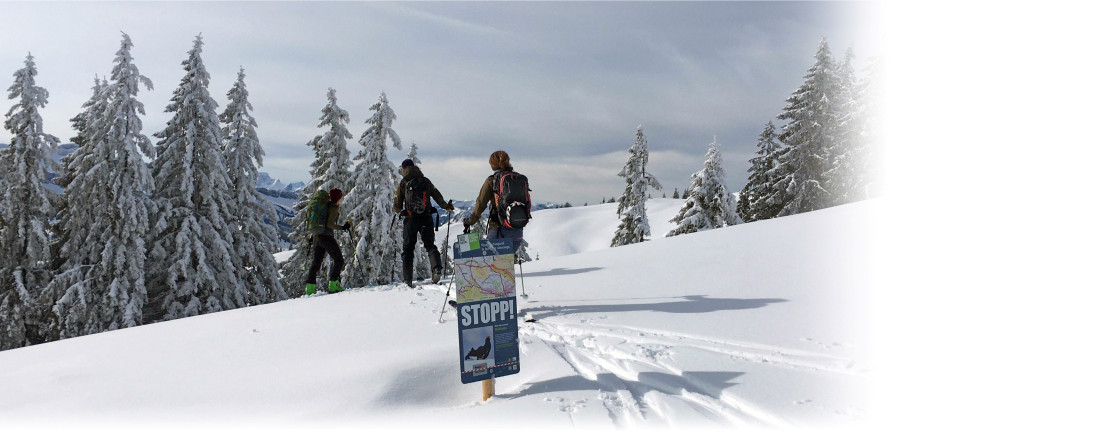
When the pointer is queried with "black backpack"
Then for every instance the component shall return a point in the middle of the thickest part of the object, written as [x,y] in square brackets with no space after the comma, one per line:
[512,199]
[417,196]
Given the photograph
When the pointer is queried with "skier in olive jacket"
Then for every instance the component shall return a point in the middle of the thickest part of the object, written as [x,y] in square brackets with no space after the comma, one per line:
[411,201]
[324,242]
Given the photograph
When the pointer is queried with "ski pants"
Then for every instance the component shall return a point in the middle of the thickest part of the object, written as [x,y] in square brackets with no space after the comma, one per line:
[421,225]
[515,234]
[323,244]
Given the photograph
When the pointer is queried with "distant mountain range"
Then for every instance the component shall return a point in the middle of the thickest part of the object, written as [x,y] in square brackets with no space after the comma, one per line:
[264,180]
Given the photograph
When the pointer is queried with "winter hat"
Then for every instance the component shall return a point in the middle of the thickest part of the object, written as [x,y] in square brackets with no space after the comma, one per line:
[334,195]
[406,163]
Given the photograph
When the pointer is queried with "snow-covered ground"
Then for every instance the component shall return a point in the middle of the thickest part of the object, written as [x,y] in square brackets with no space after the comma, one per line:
[763,325]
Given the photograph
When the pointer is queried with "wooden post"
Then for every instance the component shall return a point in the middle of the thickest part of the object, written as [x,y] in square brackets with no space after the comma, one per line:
[487,389]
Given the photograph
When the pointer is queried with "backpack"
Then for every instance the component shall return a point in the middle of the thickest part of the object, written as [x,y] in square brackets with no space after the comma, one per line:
[416,196]
[511,199]
[317,210]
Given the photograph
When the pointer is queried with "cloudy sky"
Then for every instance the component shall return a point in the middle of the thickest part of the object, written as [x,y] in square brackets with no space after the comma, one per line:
[561,86]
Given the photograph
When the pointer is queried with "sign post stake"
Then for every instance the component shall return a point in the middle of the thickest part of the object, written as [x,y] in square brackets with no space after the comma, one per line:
[487,389]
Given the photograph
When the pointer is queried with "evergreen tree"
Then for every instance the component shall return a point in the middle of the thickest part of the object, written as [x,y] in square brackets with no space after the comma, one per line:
[100,259]
[413,149]
[634,226]
[83,122]
[256,239]
[840,164]
[708,203]
[88,126]
[752,205]
[25,212]
[811,136]
[445,255]
[330,169]
[852,174]
[370,205]
[193,264]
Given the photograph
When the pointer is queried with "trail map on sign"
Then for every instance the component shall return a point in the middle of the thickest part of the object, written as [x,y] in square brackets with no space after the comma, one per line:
[488,277]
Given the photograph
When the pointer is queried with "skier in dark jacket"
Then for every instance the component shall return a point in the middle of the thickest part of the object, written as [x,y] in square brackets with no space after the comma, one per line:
[411,201]
[324,242]
[499,162]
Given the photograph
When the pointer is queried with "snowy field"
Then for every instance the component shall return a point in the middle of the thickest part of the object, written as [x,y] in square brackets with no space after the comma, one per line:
[757,326]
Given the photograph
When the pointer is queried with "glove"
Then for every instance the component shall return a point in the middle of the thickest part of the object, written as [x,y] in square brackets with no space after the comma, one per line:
[450,206]
[466,222]
[347,225]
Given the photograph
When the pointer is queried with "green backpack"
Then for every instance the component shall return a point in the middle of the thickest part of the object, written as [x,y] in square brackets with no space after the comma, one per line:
[317,212]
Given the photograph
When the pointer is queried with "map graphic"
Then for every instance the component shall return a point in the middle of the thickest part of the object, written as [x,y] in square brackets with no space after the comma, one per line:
[485,277]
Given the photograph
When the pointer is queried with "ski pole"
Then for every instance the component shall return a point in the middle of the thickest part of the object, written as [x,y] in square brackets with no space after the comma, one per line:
[443,308]
[521,278]
[447,239]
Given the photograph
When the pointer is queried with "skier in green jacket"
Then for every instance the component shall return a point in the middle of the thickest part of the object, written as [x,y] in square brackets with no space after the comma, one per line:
[325,215]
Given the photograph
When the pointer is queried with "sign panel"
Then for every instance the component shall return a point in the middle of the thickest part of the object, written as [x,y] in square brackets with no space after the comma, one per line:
[488,327]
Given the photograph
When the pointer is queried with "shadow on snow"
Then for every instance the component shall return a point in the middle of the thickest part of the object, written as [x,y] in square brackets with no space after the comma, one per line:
[707,383]
[691,304]
[559,271]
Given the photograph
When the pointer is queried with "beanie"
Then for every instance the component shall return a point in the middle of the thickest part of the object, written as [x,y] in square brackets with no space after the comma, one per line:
[334,195]
[406,163]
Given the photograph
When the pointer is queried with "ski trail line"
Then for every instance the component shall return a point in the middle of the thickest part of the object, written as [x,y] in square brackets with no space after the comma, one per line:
[792,358]
[614,363]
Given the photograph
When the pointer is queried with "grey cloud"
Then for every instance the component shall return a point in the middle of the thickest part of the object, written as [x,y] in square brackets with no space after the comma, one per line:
[556,83]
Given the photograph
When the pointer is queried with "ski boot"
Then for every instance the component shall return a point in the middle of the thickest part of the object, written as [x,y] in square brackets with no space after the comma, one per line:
[310,289]
[334,286]
[437,273]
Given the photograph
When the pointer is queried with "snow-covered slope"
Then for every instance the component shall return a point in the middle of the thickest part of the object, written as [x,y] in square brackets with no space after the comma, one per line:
[557,232]
[757,325]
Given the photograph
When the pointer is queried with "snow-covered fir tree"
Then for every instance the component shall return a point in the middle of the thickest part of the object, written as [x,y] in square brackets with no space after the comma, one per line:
[256,239]
[676,193]
[193,266]
[100,259]
[634,226]
[708,204]
[846,132]
[25,211]
[370,204]
[331,168]
[88,126]
[445,255]
[83,121]
[811,134]
[752,204]
[852,175]
[413,149]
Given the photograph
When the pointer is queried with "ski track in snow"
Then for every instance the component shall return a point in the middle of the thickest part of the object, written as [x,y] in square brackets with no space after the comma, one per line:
[616,357]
